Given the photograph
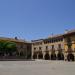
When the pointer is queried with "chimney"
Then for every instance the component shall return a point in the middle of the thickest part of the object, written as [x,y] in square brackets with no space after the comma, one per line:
[16,38]
[66,31]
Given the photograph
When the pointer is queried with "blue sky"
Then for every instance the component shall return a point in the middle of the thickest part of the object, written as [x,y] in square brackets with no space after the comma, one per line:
[35,19]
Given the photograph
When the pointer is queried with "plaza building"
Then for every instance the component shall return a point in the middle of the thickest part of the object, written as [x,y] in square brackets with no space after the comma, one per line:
[23,47]
[55,47]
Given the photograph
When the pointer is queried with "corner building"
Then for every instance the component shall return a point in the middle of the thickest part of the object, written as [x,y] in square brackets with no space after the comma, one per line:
[56,47]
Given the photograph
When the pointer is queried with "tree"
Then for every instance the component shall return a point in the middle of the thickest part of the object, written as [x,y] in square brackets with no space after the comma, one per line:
[7,48]
[10,48]
[2,48]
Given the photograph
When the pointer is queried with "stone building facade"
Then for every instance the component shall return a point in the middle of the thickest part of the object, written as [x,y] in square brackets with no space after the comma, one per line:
[23,47]
[55,47]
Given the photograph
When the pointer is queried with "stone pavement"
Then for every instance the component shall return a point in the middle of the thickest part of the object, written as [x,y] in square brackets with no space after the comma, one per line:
[38,67]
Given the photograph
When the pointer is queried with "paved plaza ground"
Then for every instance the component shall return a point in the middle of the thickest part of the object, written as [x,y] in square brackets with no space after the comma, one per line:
[38,67]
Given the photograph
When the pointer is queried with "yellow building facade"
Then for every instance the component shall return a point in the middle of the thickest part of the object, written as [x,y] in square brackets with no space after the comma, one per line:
[55,47]
[69,44]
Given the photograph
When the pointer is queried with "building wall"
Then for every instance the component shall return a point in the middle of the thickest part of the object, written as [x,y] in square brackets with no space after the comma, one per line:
[36,45]
[57,40]
[21,46]
[72,37]
[43,46]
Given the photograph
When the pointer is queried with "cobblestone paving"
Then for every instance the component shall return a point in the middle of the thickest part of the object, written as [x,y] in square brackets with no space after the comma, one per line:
[38,67]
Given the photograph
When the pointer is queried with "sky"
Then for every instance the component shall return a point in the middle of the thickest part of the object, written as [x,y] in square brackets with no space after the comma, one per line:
[36,19]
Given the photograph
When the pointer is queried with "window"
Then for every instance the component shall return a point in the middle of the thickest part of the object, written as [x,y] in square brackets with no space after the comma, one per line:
[49,41]
[59,46]
[45,42]
[68,40]
[21,46]
[39,48]
[34,48]
[46,47]
[56,40]
[40,43]
[52,47]
[61,39]
[52,40]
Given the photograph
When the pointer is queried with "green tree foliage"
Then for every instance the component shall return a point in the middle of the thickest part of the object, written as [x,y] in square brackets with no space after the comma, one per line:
[7,47]
[2,47]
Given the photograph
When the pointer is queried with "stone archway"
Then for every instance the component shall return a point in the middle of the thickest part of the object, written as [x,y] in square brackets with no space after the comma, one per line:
[40,55]
[47,56]
[35,55]
[70,57]
[53,55]
[21,53]
[60,56]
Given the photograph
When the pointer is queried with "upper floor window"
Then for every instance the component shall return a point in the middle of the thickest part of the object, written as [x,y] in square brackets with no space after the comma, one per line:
[52,47]
[34,48]
[61,39]
[21,46]
[40,48]
[68,40]
[37,43]
[46,47]
[59,46]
